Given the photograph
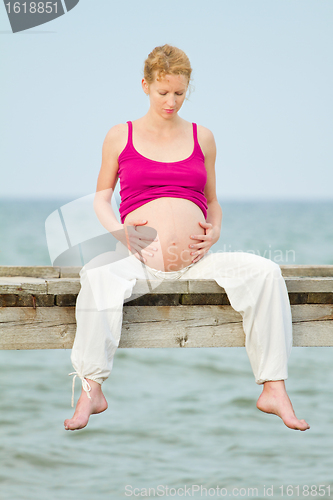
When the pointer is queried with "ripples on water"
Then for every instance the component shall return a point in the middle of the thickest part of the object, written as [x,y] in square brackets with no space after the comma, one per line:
[175,417]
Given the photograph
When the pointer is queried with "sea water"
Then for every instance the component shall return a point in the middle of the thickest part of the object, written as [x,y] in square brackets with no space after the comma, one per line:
[181,422]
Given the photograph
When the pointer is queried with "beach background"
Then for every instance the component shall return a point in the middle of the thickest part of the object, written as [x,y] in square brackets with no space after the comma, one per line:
[176,417]
[263,76]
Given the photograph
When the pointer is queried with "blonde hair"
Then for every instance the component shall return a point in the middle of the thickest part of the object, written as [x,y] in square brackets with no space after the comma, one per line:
[166,60]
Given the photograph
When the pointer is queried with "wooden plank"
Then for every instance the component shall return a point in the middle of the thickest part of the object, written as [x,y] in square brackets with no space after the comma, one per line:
[204,286]
[41,328]
[312,325]
[313,334]
[69,272]
[73,271]
[151,299]
[312,312]
[22,285]
[158,286]
[157,326]
[182,326]
[306,270]
[30,271]
[63,286]
[294,284]
[29,300]
[309,284]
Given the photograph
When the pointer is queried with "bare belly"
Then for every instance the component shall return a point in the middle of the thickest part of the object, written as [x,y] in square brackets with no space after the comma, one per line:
[174,220]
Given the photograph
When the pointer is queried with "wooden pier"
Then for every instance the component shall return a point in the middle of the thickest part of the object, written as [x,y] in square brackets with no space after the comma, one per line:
[37,310]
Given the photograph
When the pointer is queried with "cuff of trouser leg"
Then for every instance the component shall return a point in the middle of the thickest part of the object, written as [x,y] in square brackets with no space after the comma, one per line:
[85,385]
[262,381]
[98,380]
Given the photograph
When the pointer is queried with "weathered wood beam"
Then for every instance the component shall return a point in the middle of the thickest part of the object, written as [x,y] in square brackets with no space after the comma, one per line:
[73,271]
[37,312]
[158,326]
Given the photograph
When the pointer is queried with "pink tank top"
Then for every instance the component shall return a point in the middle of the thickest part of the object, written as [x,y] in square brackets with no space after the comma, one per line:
[143,180]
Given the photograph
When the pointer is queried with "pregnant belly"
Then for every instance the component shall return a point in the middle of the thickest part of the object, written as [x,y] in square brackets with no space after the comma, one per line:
[174,220]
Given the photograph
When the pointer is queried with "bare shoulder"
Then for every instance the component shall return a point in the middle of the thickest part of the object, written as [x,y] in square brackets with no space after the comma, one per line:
[206,140]
[116,139]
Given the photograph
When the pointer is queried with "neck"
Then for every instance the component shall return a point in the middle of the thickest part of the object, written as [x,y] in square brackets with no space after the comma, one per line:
[153,120]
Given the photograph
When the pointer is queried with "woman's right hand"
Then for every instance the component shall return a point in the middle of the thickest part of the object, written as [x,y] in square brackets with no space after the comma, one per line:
[139,243]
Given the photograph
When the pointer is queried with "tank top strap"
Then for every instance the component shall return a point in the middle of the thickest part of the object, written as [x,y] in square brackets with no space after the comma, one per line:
[197,147]
[195,135]
[130,134]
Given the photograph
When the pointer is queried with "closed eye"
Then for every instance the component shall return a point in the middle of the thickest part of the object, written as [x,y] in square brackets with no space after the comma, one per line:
[177,93]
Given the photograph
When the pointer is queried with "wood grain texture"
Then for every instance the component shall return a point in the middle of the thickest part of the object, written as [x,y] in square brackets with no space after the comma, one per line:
[31,271]
[37,310]
[22,285]
[303,270]
[157,326]
[40,328]
[73,271]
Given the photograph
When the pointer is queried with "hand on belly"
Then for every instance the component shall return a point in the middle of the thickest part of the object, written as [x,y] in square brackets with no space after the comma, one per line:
[171,251]
[174,220]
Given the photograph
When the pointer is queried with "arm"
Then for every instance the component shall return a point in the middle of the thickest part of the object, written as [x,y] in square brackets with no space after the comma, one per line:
[213,222]
[114,143]
[108,177]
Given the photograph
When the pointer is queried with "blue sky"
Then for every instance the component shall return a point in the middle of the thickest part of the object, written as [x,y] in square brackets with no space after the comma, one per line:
[263,79]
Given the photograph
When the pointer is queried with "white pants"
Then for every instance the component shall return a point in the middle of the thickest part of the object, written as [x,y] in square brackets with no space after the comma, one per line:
[253,284]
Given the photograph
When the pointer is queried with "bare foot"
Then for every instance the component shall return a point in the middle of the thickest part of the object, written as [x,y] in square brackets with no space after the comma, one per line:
[86,407]
[274,399]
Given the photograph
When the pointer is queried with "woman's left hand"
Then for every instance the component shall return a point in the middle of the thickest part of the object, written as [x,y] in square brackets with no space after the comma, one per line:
[208,239]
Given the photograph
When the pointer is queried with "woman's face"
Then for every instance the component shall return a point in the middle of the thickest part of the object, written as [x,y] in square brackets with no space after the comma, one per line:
[166,94]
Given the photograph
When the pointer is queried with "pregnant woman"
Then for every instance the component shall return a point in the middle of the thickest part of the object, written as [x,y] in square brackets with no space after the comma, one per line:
[170,218]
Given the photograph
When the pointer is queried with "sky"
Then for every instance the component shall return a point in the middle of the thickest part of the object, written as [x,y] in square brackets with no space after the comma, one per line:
[262,77]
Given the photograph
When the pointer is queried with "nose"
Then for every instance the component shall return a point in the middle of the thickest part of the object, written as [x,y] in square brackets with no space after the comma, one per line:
[171,102]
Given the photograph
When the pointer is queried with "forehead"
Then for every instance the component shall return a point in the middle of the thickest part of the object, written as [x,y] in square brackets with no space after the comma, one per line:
[170,81]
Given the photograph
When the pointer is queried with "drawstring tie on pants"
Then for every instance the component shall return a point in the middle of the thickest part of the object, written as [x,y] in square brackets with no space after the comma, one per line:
[85,385]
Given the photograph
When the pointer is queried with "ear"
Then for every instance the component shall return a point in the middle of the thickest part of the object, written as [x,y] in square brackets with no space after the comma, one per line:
[145,86]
